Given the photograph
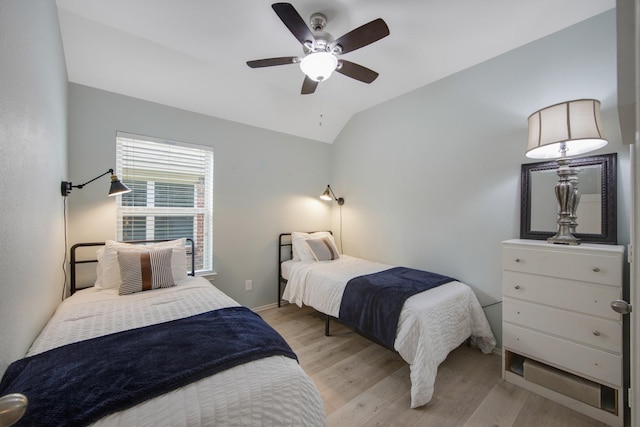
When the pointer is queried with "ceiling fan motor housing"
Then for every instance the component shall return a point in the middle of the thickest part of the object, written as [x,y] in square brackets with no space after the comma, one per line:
[318,21]
[321,43]
[322,40]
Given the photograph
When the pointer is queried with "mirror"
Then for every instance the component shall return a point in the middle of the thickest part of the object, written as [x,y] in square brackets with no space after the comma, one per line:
[596,210]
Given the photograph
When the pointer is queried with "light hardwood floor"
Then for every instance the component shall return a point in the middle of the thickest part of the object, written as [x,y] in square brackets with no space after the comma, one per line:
[364,384]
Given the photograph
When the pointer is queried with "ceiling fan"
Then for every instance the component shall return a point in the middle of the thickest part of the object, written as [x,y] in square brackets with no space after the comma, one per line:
[321,50]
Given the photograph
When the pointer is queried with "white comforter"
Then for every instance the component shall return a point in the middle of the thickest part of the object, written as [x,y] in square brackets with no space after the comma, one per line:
[274,391]
[431,324]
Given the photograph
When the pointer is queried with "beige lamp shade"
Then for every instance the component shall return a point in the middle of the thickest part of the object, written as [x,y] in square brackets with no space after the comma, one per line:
[573,125]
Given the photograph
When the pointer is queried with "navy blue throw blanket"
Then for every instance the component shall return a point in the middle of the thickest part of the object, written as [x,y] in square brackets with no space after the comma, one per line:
[372,303]
[79,383]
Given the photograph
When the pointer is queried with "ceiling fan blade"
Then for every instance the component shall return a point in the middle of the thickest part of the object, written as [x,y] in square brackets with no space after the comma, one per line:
[356,71]
[362,36]
[270,62]
[308,86]
[294,22]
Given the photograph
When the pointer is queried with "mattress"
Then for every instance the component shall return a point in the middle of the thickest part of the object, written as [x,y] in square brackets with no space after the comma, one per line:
[273,391]
[431,323]
[287,266]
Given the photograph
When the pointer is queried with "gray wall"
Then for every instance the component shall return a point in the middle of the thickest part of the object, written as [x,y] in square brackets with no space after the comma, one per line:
[432,178]
[33,135]
[265,183]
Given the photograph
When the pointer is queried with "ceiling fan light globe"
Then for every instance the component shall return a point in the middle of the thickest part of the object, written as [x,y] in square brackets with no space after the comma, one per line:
[318,66]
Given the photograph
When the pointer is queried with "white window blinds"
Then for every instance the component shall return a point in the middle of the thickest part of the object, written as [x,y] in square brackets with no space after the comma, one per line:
[172,193]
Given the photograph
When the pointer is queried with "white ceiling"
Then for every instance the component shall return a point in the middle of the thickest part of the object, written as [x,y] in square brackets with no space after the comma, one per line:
[192,54]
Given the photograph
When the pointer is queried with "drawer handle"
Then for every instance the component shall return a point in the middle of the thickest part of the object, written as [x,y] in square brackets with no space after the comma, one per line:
[516,287]
[596,333]
[517,260]
[596,269]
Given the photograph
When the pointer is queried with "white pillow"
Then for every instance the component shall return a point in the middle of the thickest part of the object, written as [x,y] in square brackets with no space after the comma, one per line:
[100,258]
[110,277]
[301,250]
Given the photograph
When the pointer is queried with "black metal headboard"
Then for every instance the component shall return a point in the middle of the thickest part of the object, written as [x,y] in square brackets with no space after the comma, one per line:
[285,247]
[74,261]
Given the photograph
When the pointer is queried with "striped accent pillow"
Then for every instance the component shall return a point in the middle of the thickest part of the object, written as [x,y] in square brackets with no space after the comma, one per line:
[145,270]
[323,249]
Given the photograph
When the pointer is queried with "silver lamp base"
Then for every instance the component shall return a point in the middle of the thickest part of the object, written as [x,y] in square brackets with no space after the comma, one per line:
[568,198]
[564,239]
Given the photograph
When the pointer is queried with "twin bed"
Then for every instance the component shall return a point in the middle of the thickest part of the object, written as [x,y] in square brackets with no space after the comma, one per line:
[430,323]
[150,344]
[61,372]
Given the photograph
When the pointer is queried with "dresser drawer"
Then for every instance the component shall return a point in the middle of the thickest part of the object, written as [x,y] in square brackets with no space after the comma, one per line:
[563,262]
[584,361]
[593,331]
[562,293]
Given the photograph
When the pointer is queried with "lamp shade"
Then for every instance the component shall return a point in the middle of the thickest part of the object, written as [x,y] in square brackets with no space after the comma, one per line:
[117,187]
[319,65]
[570,128]
[327,194]
[330,195]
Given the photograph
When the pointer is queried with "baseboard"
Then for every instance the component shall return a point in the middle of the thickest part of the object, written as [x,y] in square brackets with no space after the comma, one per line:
[265,307]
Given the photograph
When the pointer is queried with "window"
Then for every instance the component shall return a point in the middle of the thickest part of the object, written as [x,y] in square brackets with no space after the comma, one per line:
[172,193]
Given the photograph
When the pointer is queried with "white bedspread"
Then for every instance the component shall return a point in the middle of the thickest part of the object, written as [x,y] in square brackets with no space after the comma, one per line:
[274,391]
[431,324]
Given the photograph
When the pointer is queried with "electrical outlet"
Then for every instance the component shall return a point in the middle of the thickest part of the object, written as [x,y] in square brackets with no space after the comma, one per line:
[248,285]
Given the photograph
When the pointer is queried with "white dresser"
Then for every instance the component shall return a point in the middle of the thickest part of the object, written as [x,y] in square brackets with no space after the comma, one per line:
[561,339]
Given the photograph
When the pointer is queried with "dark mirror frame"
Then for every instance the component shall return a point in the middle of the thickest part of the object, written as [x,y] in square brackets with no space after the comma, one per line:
[609,228]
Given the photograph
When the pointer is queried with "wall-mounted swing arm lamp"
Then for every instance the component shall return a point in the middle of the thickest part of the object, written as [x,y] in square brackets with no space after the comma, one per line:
[329,195]
[117,187]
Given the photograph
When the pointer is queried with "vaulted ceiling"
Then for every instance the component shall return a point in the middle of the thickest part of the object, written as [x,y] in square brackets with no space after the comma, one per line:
[192,54]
